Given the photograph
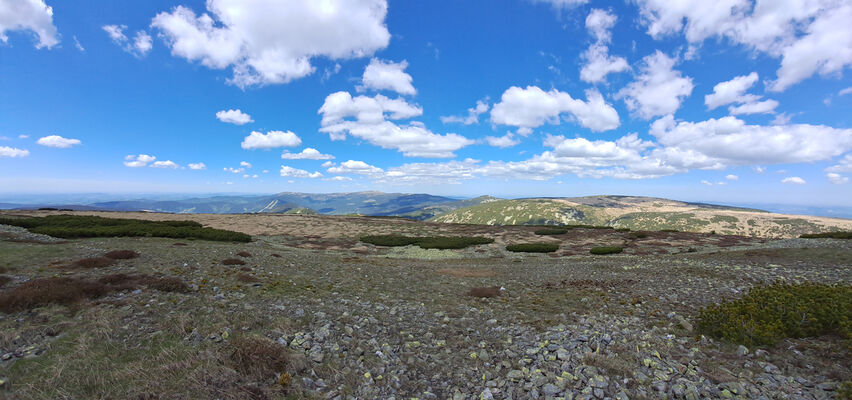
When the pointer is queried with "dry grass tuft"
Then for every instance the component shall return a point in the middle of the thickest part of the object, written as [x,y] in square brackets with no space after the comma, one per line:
[259,358]
[492,291]
[466,273]
[40,292]
[95,262]
[179,244]
[247,278]
[4,280]
[233,261]
[276,255]
[244,254]
[121,254]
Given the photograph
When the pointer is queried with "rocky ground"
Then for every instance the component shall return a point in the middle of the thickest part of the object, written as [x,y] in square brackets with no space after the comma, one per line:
[356,321]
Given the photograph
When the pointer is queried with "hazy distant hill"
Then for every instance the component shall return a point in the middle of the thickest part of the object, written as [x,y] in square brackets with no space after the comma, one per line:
[642,213]
[367,203]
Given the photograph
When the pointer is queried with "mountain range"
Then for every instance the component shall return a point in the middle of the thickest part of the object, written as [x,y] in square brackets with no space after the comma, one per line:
[633,212]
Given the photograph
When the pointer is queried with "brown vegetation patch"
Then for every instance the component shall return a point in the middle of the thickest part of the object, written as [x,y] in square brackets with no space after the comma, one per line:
[247,278]
[276,255]
[492,291]
[259,358]
[233,261]
[121,254]
[4,280]
[39,292]
[244,254]
[71,290]
[179,244]
[94,262]
[466,273]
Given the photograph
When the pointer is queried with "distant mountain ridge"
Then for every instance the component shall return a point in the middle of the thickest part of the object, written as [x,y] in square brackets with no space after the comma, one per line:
[642,213]
[634,212]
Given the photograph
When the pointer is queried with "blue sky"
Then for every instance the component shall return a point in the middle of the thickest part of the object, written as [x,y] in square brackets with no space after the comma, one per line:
[734,101]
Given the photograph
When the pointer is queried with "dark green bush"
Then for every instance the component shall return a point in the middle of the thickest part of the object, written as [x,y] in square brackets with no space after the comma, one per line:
[590,226]
[452,242]
[670,230]
[606,250]
[828,235]
[78,226]
[533,247]
[622,229]
[551,231]
[429,242]
[767,314]
[637,235]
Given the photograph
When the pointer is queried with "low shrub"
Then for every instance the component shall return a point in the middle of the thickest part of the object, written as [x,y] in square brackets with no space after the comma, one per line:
[247,278]
[233,261]
[122,254]
[276,255]
[533,247]
[622,229]
[429,242]
[180,244]
[452,242]
[258,357]
[670,230]
[827,235]
[492,291]
[551,231]
[767,314]
[41,292]
[244,254]
[4,280]
[600,250]
[68,291]
[94,262]
[390,240]
[637,235]
[80,226]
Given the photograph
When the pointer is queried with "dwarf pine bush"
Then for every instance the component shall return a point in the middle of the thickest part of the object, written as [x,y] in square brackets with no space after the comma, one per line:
[767,314]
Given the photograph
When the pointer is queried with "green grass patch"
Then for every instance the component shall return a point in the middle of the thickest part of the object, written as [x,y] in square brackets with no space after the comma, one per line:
[427,242]
[600,250]
[78,226]
[828,235]
[551,231]
[533,247]
[767,314]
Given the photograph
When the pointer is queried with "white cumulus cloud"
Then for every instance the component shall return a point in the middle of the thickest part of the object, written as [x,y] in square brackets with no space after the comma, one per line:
[354,167]
[387,75]
[165,164]
[270,140]
[599,63]
[197,166]
[793,180]
[235,117]
[732,91]
[507,140]
[57,141]
[368,118]
[732,177]
[533,107]
[11,152]
[307,154]
[138,161]
[837,179]
[270,41]
[472,114]
[658,90]
[298,173]
[28,15]
[139,46]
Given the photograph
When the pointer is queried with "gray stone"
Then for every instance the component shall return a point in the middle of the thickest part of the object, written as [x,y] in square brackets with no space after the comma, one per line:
[742,350]
[486,395]
[550,390]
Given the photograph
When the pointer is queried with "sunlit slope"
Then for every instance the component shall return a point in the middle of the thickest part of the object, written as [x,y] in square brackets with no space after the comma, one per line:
[643,213]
